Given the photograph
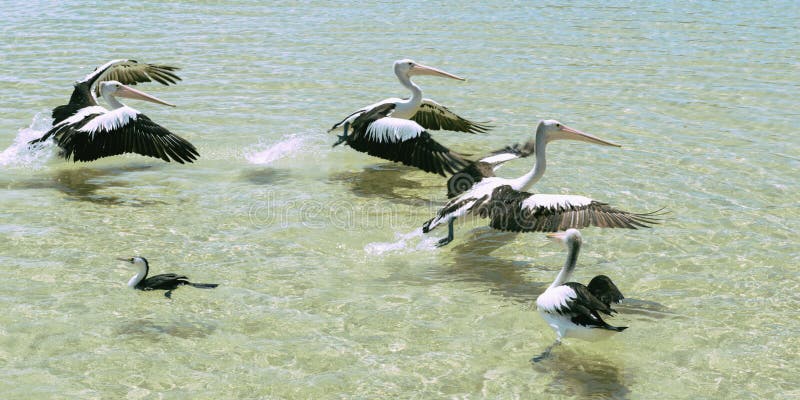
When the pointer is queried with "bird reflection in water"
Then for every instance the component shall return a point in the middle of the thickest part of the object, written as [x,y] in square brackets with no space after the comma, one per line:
[83,185]
[385,181]
[584,375]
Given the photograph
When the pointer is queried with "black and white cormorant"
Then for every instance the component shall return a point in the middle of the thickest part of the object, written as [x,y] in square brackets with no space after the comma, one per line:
[168,282]
[572,309]
[86,131]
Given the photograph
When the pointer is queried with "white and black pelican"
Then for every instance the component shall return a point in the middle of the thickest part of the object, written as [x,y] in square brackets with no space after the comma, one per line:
[510,208]
[386,121]
[485,167]
[168,282]
[86,131]
[572,309]
[402,140]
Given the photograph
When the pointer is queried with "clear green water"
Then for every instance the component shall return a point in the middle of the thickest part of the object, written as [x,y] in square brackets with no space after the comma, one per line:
[326,292]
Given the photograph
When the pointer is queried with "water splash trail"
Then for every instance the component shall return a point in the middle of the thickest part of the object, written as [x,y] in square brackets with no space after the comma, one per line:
[403,243]
[21,155]
[269,153]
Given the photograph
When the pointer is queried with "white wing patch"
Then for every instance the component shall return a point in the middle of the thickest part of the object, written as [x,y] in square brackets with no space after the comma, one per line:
[555,201]
[111,120]
[81,114]
[393,130]
[555,298]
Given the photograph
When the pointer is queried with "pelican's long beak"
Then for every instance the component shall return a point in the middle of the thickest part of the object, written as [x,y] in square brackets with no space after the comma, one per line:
[557,235]
[127,260]
[419,69]
[131,93]
[575,134]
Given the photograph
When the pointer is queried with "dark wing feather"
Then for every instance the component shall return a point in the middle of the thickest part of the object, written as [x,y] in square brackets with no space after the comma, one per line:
[584,309]
[131,72]
[420,151]
[484,167]
[507,213]
[128,72]
[605,290]
[141,136]
[163,282]
[434,116]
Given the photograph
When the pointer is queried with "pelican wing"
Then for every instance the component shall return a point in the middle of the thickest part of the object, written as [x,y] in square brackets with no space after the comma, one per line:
[512,210]
[434,116]
[486,166]
[401,140]
[128,72]
[131,72]
[605,290]
[95,132]
[583,308]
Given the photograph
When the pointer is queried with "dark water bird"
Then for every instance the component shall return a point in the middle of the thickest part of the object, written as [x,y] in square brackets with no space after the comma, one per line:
[168,282]
[397,129]
[86,131]
[486,166]
[572,309]
[510,208]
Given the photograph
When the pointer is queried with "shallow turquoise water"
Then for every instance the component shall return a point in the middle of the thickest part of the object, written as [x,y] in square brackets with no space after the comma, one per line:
[327,291]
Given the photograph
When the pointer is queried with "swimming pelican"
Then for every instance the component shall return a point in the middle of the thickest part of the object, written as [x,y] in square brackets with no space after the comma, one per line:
[510,208]
[168,282]
[570,308]
[485,167]
[425,112]
[86,131]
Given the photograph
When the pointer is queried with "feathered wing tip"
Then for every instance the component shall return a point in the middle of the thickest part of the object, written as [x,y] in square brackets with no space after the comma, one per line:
[203,285]
[426,227]
[605,290]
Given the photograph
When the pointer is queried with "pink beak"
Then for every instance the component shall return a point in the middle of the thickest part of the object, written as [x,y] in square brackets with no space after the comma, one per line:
[131,93]
[585,137]
[419,69]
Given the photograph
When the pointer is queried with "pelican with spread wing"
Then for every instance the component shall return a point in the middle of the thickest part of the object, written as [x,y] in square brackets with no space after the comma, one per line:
[86,131]
[510,208]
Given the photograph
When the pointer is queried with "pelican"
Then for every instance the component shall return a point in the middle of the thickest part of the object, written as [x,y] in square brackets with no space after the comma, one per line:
[86,131]
[384,128]
[485,167]
[402,140]
[510,208]
[425,112]
[168,282]
[570,308]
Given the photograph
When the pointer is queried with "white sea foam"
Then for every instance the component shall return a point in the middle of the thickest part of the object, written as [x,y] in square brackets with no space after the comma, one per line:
[403,243]
[267,153]
[22,155]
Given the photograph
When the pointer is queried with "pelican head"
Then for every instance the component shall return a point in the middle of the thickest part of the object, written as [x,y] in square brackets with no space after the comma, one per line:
[407,68]
[554,130]
[568,237]
[114,88]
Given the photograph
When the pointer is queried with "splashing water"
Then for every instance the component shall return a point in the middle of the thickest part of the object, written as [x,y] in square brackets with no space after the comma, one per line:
[289,145]
[402,243]
[22,155]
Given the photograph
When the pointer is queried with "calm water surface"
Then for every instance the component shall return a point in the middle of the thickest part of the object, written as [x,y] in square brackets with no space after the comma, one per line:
[327,290]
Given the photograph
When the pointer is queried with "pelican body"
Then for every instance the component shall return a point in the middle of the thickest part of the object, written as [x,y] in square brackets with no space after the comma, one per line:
[397,129]
[168,282]
[510,208]
[86,131]
[572,309]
